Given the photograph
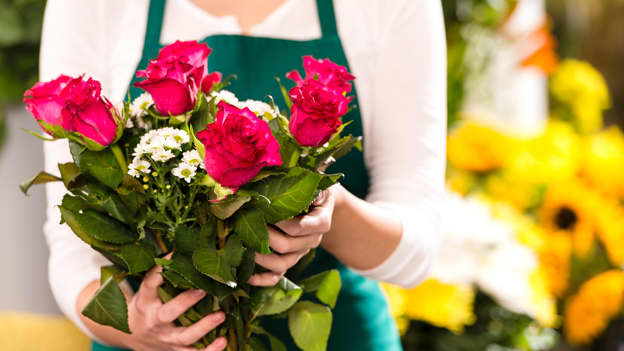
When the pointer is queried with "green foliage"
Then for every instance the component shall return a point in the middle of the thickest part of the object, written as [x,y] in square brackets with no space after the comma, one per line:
[276,299]
[108,306]
[326,286]
[309,325]
[40,178]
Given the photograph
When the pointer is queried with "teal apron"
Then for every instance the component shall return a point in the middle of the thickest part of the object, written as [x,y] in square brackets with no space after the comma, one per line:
[361,317]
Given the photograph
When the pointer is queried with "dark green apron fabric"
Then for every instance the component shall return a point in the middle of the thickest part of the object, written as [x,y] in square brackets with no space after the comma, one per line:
[361,319]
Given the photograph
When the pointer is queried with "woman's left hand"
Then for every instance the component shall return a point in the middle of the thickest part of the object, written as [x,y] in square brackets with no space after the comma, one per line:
[297,236]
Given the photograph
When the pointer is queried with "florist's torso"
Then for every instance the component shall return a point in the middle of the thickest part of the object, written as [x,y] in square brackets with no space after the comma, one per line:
[361,317]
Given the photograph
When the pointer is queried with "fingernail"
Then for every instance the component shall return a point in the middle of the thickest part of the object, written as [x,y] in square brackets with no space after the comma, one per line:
[221,342]
[219,316]
[198,293]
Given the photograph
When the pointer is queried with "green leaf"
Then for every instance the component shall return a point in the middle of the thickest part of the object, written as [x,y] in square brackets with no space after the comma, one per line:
[276,299]
[102,199]
[72,178]
[328,180]
[138,258]
[108,307]
[214,264]
[41,178]
[326,286]
[177,280]
[310,325]
[290,195]
[186,239]
[247,266]
[102,165]
[183,265]
[225,208]
[112,271]
[276,344]
[234,250]
[250,225]
[103,228]
[347,146]
[255,344]
[289,148]
[285,94]
[72,219]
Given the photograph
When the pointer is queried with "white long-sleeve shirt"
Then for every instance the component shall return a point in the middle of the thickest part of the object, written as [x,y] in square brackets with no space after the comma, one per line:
[395,48]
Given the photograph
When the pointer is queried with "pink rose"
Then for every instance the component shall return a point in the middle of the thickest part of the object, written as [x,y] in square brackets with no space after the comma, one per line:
[44,102]
[175,77]
[88,113]
[316,111]
[325,72]
[238,145]
[74,105]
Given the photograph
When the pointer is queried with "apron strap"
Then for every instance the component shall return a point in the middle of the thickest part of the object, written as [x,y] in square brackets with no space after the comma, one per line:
[154,26]
[327,18]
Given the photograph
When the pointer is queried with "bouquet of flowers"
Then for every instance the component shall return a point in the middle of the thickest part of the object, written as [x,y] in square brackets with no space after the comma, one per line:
[188,177]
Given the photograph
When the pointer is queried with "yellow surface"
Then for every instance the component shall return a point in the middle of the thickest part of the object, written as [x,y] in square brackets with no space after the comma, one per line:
[33,332]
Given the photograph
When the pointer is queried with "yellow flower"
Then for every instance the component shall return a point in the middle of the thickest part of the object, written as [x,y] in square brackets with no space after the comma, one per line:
[583,90]
[551,156]
[554,257]
[597,302]
[460,181]
[517,192]
[542,301]
[603,161]
[443,305]
[610,221]
[568,207]
[397,302]
[478,148]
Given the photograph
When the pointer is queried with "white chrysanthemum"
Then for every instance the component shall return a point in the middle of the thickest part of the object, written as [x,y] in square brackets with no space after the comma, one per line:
[138,167]
[162,155]
[139,106]
[184,171]
[257,107]
[129,123]
[192,158]
[225,95]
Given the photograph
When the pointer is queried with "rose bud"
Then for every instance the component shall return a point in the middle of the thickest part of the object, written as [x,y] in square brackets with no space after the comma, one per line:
[45,104]
[73,105]
[89,114]
[175,77]
[325,72]
[316,111]
[237,146]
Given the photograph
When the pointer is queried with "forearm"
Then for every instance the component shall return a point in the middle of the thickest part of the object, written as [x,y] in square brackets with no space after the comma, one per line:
[104,333]
[362,235]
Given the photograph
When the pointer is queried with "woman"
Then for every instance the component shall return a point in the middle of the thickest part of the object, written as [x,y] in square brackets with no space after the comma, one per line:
[397,52]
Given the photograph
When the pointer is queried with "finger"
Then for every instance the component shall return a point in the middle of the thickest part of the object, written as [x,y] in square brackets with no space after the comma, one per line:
[321,199]
[217,345]
[265,279]
[179,304]
[286,244]
[280,263]
[148,293]
[191,334]
[317,221]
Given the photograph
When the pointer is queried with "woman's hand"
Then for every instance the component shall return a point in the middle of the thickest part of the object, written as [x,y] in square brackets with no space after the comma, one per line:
[296,238]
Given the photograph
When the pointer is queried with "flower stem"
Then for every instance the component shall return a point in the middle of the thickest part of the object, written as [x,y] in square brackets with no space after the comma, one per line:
[119,156]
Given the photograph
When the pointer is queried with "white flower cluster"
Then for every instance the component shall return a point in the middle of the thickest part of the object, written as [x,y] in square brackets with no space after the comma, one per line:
[482,250]
[257,107]
[159,145]
[187,169]
[138,110]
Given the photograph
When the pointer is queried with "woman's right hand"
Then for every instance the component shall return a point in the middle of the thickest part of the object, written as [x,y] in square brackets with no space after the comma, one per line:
[151,321]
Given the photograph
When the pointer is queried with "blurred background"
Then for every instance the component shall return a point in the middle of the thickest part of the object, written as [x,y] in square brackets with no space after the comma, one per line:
[533,257]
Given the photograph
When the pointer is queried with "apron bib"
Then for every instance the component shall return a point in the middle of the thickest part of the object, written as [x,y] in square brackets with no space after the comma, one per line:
[361,318]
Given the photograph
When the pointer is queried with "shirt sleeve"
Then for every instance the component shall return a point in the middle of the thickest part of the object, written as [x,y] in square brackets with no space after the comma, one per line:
[73,43]
[406,150]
